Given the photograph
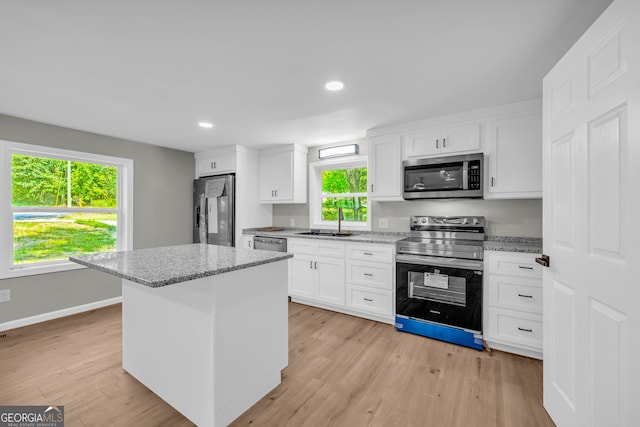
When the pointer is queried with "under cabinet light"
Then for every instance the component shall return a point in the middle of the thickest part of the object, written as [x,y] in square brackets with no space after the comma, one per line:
[206,125]
[342,150]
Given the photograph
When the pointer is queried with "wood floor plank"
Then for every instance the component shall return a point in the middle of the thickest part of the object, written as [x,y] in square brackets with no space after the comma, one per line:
[343,371]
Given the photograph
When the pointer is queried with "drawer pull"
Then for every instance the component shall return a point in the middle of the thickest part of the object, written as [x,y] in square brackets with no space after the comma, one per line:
[368,253]
[368,274]
[525,296]
[368,299]
[525,268]
[310,264]
[524,329]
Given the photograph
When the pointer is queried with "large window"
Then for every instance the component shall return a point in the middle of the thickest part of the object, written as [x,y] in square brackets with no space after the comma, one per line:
[60,203]
[339,184]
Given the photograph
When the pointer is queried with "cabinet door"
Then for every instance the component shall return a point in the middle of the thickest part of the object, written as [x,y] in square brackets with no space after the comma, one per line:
[331,283]
[276,177]
[216,165]
[421,143]
[385,168]
[460,138]
[303,276]
[247,241]
[514,157]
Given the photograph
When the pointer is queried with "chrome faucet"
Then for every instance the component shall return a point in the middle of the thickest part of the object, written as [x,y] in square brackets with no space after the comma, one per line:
[340,218]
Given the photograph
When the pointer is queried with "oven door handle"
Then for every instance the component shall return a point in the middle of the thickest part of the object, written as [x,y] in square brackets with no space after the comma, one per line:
[440,261]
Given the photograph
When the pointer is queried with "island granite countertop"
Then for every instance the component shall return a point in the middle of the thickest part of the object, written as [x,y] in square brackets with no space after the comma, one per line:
[155,267]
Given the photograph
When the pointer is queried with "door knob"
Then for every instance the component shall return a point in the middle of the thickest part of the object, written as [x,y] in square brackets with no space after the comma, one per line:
[543,260]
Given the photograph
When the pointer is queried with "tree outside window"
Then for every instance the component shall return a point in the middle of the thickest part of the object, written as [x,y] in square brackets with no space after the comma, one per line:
[346,188]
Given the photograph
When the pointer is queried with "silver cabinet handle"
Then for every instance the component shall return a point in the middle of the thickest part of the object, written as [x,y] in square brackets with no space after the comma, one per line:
[368,299]
[368,274]
[213,165]
[276,192]
[524,329]
[316,265]
[372,188]
[249,242]
[525,296]
[437,141]
[444,142]
[310,264]
[368,253]
[492,182]
[525,268]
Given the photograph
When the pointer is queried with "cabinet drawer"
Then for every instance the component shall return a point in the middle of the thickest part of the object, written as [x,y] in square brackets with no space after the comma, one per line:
[513,263]
[515,293]
[301,246]
[329,248]
[376,253]
[370,274]
[371,300]
[516,328]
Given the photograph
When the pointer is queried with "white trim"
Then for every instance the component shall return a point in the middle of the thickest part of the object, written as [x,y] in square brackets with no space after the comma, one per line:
[27,321]
[124,210]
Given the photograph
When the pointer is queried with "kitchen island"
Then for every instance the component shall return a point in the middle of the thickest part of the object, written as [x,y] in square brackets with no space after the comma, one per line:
[204,327]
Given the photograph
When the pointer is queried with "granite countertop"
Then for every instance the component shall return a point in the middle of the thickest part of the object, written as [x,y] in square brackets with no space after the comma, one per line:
[163,266]
[389,238]
[513,244]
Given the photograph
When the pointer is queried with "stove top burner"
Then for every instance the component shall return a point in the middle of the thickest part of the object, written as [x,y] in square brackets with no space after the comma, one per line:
[450,237]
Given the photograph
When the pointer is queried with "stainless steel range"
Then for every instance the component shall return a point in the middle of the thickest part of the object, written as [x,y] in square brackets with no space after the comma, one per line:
[439,279]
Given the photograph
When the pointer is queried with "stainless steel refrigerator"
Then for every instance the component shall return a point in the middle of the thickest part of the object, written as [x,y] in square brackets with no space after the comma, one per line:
[214,210]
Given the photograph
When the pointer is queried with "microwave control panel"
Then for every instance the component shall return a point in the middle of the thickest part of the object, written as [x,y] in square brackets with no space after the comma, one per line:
[474,175]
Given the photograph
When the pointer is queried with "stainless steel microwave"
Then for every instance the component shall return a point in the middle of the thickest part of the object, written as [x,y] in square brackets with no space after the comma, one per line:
[449,177]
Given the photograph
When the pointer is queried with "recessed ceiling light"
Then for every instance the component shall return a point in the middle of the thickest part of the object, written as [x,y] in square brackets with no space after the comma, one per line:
[205,125]
[334,85]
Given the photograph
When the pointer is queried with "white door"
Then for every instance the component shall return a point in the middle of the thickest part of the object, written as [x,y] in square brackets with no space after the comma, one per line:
[591,291]
[385,168]
[303,276]
[275,176]
[331,283]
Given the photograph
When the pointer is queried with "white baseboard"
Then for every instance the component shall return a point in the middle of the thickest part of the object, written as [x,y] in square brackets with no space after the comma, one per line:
[13,324]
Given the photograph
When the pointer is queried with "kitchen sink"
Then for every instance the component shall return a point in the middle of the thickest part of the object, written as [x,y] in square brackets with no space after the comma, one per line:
[326,233]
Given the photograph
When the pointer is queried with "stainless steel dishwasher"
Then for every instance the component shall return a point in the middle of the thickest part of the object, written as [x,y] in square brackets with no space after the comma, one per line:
[276,244]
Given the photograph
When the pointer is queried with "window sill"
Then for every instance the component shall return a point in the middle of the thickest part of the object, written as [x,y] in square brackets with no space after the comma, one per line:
[40,269]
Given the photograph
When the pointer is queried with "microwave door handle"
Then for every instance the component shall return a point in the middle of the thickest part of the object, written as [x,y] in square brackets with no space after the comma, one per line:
[465,175]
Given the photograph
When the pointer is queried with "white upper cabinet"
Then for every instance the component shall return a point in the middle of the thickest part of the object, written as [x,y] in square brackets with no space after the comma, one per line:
[513,158]
[283,174]
[438,141]
[385,168]
[216,162]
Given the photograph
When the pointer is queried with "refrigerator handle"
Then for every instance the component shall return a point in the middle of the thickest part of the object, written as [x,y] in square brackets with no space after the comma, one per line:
[198,217]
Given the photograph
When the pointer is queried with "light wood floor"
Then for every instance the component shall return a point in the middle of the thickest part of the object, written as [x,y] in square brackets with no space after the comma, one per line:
[343,371]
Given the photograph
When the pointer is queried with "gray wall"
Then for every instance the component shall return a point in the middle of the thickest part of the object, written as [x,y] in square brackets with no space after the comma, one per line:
[162,207]
[504,217]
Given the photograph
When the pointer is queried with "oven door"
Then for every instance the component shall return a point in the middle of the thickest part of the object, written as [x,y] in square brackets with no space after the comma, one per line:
[442,290]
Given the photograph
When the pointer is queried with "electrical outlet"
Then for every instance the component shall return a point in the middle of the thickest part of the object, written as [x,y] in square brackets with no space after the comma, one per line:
[292,222]
[383,222]
[5,295]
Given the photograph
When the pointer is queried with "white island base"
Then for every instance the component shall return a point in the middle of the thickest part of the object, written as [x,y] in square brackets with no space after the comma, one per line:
[210,347]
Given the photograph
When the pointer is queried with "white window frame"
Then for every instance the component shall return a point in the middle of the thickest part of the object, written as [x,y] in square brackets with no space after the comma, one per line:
[124,231]
[315,193]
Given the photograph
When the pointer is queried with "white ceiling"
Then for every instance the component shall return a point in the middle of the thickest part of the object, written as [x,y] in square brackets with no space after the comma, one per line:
[150,70]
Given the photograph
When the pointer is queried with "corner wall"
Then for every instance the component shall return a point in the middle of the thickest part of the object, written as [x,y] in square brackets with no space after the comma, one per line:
[162,205]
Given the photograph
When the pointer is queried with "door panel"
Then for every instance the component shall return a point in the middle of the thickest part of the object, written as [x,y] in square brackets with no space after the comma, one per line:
[607,142]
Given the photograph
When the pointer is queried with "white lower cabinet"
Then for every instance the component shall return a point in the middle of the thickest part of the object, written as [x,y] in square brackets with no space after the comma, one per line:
[513,303]
[317,270]
[352,278]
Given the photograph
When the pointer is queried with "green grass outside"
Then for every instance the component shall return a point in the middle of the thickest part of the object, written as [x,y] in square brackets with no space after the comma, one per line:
[35,241]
